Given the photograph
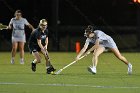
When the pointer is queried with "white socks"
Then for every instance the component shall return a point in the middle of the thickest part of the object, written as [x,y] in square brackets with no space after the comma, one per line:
[13,60]
[34,61]
[21,61]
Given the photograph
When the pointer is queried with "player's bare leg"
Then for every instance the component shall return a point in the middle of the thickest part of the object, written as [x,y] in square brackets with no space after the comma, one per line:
[35,61]
[96,54]
[123,59]
[14,49]
[21,49]
[47,59]
[119,56]
[50,69]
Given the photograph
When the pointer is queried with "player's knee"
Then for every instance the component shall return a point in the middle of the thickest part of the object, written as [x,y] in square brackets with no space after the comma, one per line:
[14,48]
[95,55]
[21,48]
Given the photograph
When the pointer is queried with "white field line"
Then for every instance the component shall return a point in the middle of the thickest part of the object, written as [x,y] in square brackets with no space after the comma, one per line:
[69,85]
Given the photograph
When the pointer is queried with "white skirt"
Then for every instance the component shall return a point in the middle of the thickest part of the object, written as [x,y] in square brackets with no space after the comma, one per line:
[18,36]
[19,39]
[109,43]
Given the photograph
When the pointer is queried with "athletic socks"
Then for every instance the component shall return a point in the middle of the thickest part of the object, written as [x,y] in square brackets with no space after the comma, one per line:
[34,61]
[12,60]
[129,69]
[21,61]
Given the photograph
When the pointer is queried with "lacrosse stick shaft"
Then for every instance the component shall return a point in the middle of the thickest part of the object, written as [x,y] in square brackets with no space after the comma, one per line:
[88,52]
[71,64]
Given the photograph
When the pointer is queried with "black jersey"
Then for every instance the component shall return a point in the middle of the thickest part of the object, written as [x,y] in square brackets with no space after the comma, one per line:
[38,34]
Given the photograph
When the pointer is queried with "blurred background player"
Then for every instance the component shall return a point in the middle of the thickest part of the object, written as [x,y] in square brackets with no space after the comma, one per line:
[101,41]
[38,42]
[18,34]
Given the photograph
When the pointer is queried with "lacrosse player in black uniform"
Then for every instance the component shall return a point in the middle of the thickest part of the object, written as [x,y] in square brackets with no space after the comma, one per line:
[38,42]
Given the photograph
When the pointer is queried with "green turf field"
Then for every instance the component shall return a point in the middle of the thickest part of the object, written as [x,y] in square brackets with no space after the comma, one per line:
[110,78]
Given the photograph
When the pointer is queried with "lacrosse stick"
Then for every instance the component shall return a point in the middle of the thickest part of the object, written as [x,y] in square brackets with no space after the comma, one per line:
[88,52]
[3,26]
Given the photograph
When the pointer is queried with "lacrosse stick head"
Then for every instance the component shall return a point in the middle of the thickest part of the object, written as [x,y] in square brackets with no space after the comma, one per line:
[58,72]
[3,26]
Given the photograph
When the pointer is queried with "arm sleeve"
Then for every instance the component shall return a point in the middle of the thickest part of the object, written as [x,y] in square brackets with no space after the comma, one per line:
[26,22]
[98,34]
[38,35]
[11,22]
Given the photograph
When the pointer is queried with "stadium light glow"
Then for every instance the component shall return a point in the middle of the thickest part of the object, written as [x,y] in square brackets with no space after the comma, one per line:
[136,1]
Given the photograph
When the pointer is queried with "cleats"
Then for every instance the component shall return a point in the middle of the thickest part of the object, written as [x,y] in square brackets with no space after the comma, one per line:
[33,67]
[129,69]
[92,70]
[22,62]
[50,70]
[12,61]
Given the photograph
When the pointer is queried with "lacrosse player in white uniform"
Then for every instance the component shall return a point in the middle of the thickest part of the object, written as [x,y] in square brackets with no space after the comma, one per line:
[101,41]
[18,35]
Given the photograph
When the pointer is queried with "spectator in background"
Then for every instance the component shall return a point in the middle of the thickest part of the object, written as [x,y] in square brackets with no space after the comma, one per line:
[18,34]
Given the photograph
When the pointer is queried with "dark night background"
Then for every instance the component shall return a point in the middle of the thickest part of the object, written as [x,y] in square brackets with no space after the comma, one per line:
[73,12]
[67,20]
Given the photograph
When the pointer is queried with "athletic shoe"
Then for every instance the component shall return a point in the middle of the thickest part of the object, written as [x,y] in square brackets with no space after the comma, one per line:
[92,70]
[12,61]
[22,62]
[50,70]
[33,66]
[129,69]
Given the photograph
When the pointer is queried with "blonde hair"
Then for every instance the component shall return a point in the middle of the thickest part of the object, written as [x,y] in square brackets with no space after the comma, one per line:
[43,21]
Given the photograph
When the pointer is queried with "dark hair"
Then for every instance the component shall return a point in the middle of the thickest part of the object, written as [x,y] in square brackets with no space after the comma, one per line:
[18,11]
[90,27]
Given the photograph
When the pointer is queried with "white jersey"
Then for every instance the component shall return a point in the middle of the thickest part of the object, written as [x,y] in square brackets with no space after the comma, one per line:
[18,33]
[104,39]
